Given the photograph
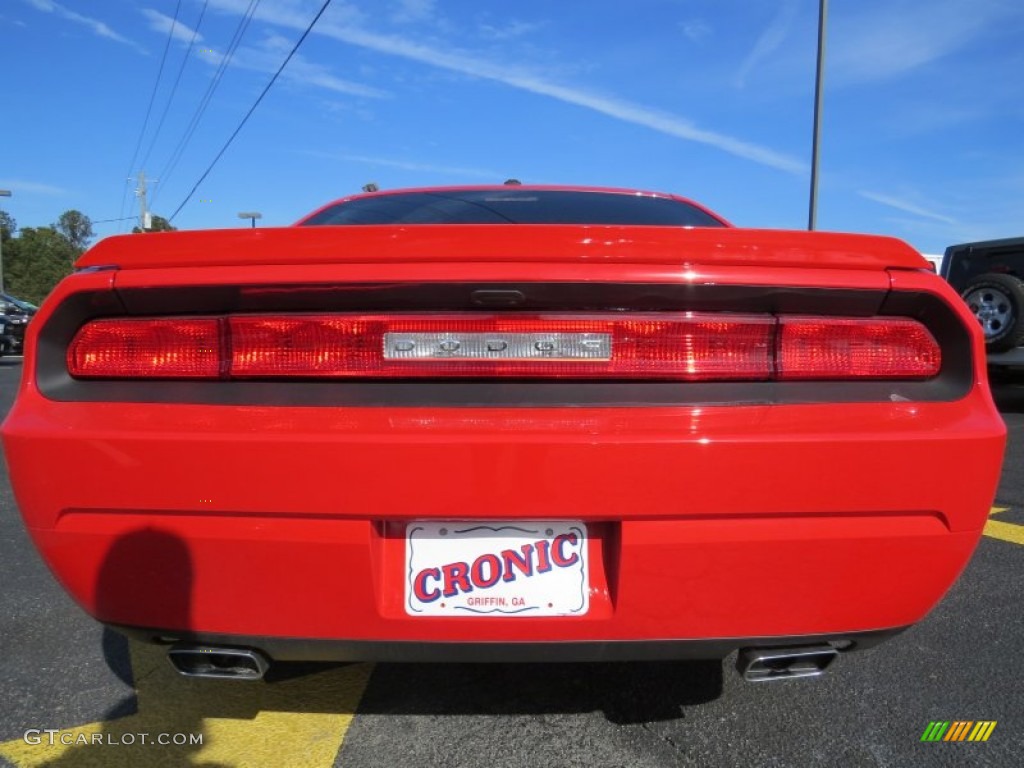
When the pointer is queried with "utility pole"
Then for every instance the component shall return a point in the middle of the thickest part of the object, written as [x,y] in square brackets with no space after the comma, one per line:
[145,217]
[3,193]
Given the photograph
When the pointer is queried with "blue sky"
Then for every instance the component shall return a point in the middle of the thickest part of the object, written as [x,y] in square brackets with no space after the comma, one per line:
[923,131]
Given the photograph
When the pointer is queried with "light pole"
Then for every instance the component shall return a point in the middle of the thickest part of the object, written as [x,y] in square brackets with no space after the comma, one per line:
[253,215]
[819,83]
[3,193]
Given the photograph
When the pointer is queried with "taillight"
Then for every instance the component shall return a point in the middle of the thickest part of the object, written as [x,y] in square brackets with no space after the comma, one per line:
[854,348]
[683,346]
[147,348]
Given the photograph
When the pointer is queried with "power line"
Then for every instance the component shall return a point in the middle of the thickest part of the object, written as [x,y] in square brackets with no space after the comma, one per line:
[211,88]
[124,199]
[252,108]
[152,98]
[107,221]
[204,102]
[174,88]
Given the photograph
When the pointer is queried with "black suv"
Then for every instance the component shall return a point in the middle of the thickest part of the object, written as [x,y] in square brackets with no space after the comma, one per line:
[990,277]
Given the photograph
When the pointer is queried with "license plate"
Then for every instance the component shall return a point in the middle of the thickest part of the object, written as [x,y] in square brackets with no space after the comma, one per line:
[507,568]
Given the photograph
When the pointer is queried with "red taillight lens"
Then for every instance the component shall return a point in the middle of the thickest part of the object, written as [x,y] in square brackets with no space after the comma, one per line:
[849,348]
[687,346]
[677,346]
[300,345]
[147,348]
[684,346]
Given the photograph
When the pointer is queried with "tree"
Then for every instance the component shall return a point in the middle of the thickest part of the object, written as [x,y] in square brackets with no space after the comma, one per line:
[35,261]
[77,228]
[8,226]
[158,224]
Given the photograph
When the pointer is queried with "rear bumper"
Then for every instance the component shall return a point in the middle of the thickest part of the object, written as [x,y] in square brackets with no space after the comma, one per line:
[305,649]
[287,524]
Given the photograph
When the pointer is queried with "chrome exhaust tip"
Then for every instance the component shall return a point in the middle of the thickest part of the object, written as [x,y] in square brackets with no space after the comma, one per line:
[216,662]
[770,664]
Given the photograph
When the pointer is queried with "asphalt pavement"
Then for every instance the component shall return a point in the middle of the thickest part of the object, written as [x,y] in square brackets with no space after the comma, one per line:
[60,670]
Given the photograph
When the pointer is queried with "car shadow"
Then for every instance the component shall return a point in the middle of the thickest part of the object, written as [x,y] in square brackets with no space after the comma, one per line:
[153,569]
[625,692]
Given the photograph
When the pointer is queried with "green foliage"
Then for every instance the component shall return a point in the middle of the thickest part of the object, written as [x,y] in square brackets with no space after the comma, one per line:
[35,261]
[159,224]
[8,226]
[76,228]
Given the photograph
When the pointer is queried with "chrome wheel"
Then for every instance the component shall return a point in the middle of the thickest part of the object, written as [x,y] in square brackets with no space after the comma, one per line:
[992,308]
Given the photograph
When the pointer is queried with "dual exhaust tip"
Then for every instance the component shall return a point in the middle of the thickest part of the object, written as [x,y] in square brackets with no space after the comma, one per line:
[754,664]
[771,664]
[218,662]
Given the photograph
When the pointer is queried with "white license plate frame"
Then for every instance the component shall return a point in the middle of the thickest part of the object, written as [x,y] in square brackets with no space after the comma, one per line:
[508,569]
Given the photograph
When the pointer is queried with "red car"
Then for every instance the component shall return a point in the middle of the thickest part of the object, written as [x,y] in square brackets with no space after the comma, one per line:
[505,423]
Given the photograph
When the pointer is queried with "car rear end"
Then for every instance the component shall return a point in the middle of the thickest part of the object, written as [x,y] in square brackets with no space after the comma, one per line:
[505,442]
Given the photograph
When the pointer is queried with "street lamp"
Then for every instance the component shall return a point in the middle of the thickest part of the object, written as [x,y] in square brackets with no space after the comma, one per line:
[819,85]
[3,193]
[253,215]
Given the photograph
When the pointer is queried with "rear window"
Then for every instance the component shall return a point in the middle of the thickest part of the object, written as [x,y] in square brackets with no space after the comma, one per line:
[515,207]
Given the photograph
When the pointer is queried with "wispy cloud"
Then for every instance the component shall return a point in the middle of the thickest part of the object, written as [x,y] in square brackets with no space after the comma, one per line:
[20,186]
[412,11]
[919,116]
[524,80]
[98,27]
[508,31]
[889,39]
[267,57]
[404,165]
[164,24]
[695,30]
[907,207]
[305,72]
[301,70]
[769,41]
[610,106]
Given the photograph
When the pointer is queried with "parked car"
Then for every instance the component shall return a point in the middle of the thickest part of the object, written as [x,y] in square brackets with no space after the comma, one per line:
[505,423]
[6,339]
[988,275]
[15,315]
[15,324]
[20,305]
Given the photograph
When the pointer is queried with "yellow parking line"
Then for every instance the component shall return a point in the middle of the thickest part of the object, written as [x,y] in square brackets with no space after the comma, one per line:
[1005,531]
[997,529]
[298,721]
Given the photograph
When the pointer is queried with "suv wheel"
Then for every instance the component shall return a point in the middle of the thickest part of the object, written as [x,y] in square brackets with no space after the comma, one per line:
[997,301]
